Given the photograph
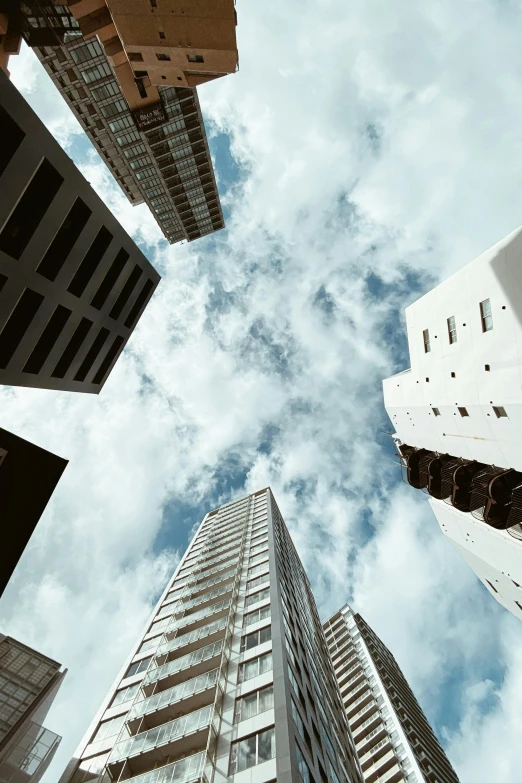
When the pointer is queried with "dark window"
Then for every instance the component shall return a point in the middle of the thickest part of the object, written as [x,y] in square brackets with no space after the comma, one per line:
[436,411]
[492,586]
[487,368]
[17,324]
[139,666]
[31,208]
[162,56]
[90,262]
[195,58]
[64,240]
[72,348]
[252,750]
[109,358]
[92,354]
[258,637]
[138,304]
[12,137]
[3,281]
[135,57]
[463,411]
[125,293]
[485,315]
[47,339]
[162,35]
[426,339]
[107,284]
[452,330]
[500,412]
[140,74]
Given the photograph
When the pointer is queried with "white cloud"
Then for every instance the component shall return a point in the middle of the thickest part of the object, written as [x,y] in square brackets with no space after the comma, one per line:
[374,140]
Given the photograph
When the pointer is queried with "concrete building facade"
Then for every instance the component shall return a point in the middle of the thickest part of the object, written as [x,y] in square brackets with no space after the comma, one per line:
[28,477]
[393,739]
[457,413]
[230,679]
[29,682]
[73,284]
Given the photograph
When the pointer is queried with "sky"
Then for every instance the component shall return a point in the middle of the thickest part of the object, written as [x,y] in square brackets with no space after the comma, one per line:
[364,151]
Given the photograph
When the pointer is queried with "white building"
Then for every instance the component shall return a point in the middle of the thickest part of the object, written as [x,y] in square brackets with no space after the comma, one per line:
[457,413]
[230,681]
[392,736]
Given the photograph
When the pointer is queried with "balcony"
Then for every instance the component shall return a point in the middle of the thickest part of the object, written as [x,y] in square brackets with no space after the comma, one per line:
[188,696]
[491,495]
[192,640]
[179,737]
[187,770]
[456,478]
[198,618]
[200,661]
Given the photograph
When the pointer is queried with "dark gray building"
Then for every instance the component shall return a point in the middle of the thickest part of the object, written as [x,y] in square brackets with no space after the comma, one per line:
[158,155]
[393,738]
[29,682]
[28,477]
[230,679]
[73,284]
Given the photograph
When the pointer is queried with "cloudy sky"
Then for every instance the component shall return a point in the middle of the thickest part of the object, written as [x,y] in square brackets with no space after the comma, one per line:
[364,151]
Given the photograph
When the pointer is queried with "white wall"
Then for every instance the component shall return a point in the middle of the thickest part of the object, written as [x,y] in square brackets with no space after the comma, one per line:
[409,397]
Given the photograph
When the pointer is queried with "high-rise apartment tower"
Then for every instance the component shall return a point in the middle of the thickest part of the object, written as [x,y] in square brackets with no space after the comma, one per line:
[457,413]
[231,679]
[393,739]
[29,682]
[73,284]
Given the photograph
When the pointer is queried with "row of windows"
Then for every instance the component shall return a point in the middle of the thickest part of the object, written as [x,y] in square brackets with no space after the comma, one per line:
[499,411]
[486,320]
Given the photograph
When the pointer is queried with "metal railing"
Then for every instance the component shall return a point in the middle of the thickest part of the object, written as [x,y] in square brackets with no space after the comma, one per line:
[177,693]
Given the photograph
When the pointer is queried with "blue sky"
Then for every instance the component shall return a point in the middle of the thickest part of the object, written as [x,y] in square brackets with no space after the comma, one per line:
[363,153]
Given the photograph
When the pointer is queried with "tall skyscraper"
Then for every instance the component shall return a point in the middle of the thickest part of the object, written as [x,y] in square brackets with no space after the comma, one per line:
[73,284]
[457,413]
[129,70]
[231,677]
[28,477]
[29,682]
[393,739]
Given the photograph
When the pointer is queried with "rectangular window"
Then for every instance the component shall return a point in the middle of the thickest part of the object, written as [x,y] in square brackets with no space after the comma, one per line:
[426,339]
[251,640]
[256,616]
[47,340]
[258,581]
[109,358]
[139,666]
[116,107]
[195,58]
[500,412]
[452,330]
[109,728]
[125,694]
[253,750]
[99,71]
[135,57]
[436,411]
[105,91]
[86,52]
[254,703]
[30,210]
[485,316]
[12,137]
[302,766]
[17,324]
[110,279]
[162,56]
[90,262]
[463,411]
[255,667]
[257,569]
[256,597]
[64,240]
[261,558]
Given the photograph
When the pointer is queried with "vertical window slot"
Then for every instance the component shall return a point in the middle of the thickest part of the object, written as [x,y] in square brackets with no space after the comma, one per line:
[125,293]
[17,324]
[64,240]
[109,358]
[90,262]
[92,354]
[72,349]
[138,304]
[47,340]
[107,284]
[12,137]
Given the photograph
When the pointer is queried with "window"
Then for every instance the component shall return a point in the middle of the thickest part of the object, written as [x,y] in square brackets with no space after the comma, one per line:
[463,411]
[162,56]
[485,315]
[90,262]
[254,703]
[258,637]
[195,58]
[303,733]
[125,694]
[150,644]
[436,411]
[500,412]
[257,569]
[97,72]
[256,597]
[253,750]
[256,616]
[426,339]
[109,728]
[138,666]
[255,667]
[452,330]
[331,771]
[261,558]
[64,240]
[302,766]
[258,581]
[135,57]
[106,90]
[12,137]
[492,586]
[86,52]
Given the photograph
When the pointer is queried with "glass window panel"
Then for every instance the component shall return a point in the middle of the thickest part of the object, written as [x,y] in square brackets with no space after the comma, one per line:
[266,746]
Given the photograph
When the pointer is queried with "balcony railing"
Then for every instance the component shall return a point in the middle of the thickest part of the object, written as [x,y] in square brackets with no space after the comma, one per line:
[186,770]
[193,636]
[178,664]
[162,735]
[172,695]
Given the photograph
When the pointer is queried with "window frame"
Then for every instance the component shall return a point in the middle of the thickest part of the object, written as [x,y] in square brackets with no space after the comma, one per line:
[234,768]
[257,693]
[485,314]
[452,329]
[426,340]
